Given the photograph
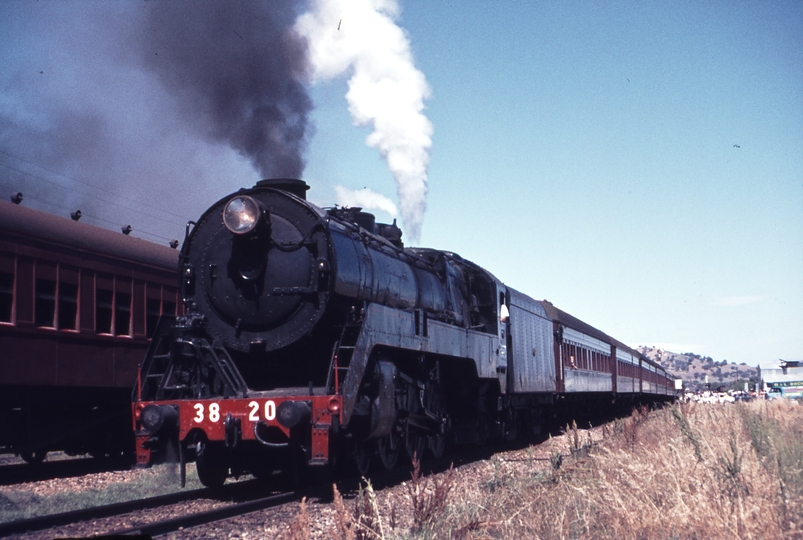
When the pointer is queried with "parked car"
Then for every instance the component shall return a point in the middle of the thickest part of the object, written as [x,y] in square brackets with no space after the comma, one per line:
[775,393]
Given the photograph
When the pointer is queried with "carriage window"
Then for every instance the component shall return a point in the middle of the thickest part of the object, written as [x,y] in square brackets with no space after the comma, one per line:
[168,308]
[45,307]
[68,305]
[6,295]
[103,311]
[152,313]
[122,314]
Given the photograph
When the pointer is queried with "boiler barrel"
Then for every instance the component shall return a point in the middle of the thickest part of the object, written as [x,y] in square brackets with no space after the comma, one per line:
[368,271]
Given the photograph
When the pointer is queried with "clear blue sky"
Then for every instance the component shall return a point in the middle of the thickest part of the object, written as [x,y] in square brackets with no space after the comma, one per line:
[638,164]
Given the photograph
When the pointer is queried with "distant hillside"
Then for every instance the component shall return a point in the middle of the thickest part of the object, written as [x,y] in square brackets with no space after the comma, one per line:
[693,368]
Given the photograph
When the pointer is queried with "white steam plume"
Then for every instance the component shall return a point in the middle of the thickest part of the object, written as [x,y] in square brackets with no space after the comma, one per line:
[385,89]
[365,199]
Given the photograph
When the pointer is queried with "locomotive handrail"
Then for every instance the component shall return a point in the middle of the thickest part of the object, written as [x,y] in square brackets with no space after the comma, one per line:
[163,326]
[187,231]
[289,247]
[232,377]
[332,366]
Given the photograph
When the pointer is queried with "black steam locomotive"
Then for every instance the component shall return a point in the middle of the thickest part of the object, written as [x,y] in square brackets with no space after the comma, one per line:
[314,336]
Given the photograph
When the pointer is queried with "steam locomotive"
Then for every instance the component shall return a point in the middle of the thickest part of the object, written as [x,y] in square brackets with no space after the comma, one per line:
[314,337]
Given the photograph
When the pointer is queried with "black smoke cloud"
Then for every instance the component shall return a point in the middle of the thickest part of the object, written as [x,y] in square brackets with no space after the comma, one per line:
[147,112]
[237,68]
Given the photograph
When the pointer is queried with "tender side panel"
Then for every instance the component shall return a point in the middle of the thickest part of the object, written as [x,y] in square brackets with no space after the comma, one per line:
[531,360]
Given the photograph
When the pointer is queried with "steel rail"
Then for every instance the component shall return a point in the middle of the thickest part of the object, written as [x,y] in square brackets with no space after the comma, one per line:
[379,480]
[209,516]
[97,512]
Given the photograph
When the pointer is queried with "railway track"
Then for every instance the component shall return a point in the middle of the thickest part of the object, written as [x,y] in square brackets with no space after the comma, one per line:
[68,468]
[98,512]
[210,516]
[380,480]
[235,491]
[246,497]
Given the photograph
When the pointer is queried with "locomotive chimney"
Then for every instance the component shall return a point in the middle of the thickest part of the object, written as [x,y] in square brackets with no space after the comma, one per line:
[291,185]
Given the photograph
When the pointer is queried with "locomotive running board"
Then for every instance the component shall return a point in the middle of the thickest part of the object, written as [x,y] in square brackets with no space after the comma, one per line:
[385,326]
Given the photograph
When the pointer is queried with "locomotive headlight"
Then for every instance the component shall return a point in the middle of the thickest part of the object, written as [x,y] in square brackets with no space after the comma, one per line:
[241,214]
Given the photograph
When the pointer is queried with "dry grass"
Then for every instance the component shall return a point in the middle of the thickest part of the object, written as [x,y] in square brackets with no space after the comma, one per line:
[688,471]
[691,471]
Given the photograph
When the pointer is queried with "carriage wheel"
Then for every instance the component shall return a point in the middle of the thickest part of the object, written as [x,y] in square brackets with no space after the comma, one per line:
[211,465]
[34,457]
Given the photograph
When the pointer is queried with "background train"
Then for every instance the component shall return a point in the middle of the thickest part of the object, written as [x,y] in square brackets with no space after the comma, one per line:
[314,336]
[78,305]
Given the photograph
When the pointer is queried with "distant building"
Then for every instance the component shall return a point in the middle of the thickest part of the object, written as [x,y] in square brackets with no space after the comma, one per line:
[787,377]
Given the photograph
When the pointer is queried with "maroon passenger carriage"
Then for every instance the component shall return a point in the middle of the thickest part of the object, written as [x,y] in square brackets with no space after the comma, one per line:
[78,305]
[314,336]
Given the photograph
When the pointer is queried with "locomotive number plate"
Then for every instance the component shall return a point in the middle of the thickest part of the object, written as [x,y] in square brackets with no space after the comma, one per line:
[270,411]
[213,412]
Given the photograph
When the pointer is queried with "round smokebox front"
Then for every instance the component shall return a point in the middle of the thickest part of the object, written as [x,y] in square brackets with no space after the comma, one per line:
[262,276]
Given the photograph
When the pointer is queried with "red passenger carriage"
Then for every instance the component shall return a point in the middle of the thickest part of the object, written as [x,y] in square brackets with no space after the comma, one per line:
[78,305]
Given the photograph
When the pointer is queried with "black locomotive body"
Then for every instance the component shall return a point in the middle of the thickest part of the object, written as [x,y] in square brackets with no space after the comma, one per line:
[314,336]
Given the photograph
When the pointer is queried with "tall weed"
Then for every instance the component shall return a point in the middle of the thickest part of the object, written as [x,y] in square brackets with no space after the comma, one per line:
[687,471]
[691,471]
